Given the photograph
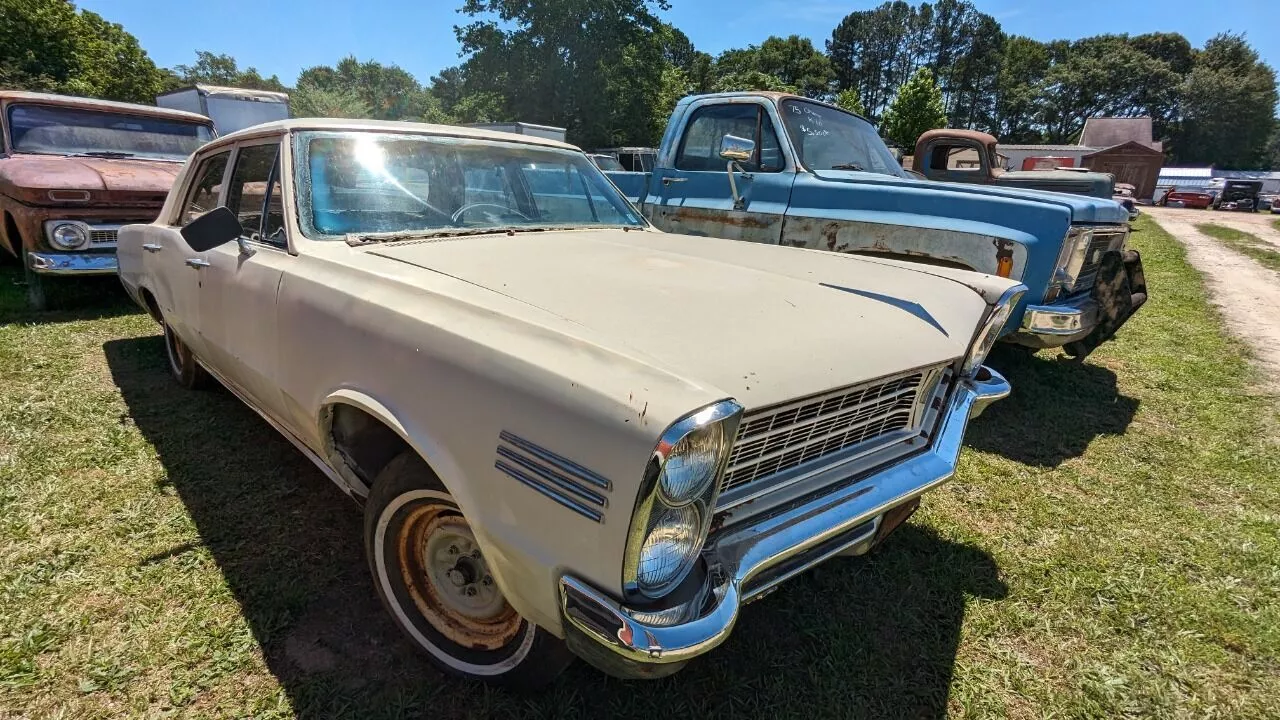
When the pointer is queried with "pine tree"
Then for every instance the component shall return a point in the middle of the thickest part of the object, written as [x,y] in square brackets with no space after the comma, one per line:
[917,108]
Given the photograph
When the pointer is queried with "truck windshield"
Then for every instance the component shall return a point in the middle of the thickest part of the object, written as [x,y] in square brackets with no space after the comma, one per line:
[367,184]
[829,139]
[51,130]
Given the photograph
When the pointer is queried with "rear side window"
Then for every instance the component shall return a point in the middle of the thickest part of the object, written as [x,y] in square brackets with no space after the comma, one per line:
[700,148]
[206,189]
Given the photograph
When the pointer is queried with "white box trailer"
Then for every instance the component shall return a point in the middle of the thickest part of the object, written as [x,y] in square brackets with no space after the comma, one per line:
[230,108]
[520,128]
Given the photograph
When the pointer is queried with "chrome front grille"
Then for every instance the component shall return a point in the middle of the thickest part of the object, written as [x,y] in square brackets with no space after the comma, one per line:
[1102,241]
[100,236]
[773,441]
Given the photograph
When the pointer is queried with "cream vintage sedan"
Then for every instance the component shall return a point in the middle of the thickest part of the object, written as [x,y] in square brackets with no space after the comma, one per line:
[571,433]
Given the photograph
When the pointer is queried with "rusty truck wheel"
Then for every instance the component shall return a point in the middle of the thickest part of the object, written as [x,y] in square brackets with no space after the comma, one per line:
[432,576]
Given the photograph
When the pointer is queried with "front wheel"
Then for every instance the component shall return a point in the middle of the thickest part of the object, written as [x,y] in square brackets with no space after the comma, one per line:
[433,579]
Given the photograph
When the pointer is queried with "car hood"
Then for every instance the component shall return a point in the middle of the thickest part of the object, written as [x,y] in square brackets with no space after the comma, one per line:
[40,173]
[1083,209]
[759,323]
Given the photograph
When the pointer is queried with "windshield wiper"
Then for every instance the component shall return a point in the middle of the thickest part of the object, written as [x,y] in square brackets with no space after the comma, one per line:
[847,166]
[102,154]
[357,239]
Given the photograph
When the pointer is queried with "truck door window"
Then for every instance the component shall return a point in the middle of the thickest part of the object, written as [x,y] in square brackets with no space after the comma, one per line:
[250,187]
[700,148]
[206,189]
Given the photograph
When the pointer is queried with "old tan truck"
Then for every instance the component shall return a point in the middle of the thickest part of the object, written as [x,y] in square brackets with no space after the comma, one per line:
[74,170]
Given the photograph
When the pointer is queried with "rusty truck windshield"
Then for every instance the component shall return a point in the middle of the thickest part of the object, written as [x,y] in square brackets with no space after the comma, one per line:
[829,139]
[52,130]
[372,186]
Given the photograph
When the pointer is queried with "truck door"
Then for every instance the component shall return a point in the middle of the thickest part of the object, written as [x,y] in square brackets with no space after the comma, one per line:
[694,197]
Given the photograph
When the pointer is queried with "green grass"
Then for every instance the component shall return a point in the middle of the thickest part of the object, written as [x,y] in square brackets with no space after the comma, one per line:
[1244,243]
[1109,548]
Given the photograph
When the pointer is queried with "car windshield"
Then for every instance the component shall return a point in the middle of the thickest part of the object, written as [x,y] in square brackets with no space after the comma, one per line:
[607,163]
[826,138]
[54,130]
[369,184]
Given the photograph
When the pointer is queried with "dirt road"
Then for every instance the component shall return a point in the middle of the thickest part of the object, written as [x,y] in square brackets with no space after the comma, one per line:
[1246,293]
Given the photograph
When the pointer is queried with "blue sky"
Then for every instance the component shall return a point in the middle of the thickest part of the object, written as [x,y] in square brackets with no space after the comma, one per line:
[284,36]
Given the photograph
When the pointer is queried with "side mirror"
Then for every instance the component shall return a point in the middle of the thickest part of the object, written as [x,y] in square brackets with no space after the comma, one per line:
[214,228]
[737,149]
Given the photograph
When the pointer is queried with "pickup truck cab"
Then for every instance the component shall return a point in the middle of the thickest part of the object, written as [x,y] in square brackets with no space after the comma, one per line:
[935,149]
[781,169]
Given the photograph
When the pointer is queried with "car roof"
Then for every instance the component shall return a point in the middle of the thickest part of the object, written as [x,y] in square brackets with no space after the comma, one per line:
[281,127]
[95,104]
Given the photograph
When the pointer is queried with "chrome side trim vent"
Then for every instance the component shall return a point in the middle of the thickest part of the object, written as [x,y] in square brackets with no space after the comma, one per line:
[554,476]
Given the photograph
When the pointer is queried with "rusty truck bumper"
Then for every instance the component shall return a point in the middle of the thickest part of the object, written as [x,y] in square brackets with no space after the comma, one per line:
[72,263]
[1079,325]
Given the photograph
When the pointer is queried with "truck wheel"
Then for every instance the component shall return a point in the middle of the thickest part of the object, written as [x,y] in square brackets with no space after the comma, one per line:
[182,362]
[433,579]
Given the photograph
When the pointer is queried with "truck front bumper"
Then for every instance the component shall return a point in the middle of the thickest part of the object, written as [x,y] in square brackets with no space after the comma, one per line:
[78,263]
[1081,324]
[745,562]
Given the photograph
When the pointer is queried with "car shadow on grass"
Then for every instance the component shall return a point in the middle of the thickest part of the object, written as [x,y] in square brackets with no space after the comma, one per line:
[69,299]
[857,637]
[1057,408]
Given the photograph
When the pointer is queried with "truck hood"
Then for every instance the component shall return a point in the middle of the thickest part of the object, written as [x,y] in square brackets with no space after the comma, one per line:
[1083,209]
[29,177]
[762,324]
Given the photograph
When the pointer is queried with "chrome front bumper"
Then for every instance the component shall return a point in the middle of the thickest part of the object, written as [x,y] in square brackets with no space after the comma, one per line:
[83,263]
[748,561]
[1046,326]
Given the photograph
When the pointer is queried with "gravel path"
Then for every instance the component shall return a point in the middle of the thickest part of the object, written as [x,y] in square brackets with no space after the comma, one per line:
[1246,293]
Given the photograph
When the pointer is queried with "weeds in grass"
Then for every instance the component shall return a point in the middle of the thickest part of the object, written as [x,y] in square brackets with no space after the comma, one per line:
[1244,243]
[1109,548]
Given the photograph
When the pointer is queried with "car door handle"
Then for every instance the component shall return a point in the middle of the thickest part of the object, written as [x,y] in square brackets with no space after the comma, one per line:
[670,180]
[197,262]
[152,247]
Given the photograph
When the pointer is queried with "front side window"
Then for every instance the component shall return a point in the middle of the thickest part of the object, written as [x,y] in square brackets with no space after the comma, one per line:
[51,130]
[827,138]
[367,183]
[700,148]
[253,185]
[206,188]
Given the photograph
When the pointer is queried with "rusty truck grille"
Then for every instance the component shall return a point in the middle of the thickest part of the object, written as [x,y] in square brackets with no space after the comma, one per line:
[774,440]
[1098,246]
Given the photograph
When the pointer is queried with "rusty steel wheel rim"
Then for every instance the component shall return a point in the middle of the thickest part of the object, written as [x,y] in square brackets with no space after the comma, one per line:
[449,580]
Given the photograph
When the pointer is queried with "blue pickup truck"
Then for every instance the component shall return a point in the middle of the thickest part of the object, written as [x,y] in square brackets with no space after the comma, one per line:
[782,169]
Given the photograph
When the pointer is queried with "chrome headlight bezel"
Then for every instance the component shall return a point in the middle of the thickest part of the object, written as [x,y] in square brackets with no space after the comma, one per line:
[83,234]
[989,331]
[1071,259]
[654,502]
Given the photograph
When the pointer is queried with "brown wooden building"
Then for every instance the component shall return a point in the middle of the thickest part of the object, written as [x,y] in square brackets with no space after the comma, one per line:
[1131,162]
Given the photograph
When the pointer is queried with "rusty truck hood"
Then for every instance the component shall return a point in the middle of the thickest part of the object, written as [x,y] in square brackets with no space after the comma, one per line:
[30,177]
[757,322]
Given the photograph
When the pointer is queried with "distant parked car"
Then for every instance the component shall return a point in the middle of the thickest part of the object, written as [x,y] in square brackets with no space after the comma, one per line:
[73,170]
[1125,196]
[571,432]
[1198,199]
[1238,195]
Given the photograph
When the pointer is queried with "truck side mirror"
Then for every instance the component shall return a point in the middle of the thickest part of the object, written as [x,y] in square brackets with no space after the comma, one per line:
[212,229]
[737,149]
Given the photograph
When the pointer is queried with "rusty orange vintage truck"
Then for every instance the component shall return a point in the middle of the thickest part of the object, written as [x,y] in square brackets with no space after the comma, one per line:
[73,170]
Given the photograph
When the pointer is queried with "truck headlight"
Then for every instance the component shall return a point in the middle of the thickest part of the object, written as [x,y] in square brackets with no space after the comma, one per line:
[67,234]
[677,498]
[989,332]
[1071,259]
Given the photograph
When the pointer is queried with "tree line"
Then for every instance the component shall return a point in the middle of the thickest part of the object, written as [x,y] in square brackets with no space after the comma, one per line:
[610,72]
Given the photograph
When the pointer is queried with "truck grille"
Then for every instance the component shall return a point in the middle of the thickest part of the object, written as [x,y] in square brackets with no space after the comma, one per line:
[1098,246]
[774,440]
[102,237]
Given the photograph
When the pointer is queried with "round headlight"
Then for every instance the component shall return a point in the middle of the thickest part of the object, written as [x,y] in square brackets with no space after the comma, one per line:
[68,236]
[674,538]
[691,466]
